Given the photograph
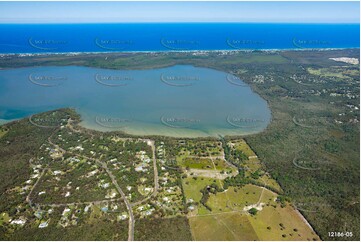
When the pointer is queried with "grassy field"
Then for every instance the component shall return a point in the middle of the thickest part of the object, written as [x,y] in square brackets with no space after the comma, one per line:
[263,226]
[237,226]
[192,190]
[333,72]
[203,163]
[200,148]
[226,226]
[267,224]
[192,187]
[235,199]
[196,163]
[229,221]
[229,218]
[243,146]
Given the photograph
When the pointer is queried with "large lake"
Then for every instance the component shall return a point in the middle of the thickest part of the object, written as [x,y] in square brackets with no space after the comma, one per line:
[181,101]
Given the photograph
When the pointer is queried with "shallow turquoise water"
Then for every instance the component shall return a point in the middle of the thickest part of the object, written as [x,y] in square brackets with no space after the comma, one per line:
[182,101]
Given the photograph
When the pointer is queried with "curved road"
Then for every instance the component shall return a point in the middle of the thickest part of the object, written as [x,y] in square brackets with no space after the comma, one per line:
[156,178]
[114,181]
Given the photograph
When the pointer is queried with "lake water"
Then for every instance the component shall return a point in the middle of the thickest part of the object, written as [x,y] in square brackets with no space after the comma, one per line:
[181,101]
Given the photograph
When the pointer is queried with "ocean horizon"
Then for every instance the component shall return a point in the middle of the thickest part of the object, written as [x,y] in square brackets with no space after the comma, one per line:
[163,37]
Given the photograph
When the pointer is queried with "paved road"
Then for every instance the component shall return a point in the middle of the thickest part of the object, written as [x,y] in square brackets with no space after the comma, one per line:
[28,200]
[55,205]
[120,191]
[56,146]
[156,178]
[114,181]
[127,203]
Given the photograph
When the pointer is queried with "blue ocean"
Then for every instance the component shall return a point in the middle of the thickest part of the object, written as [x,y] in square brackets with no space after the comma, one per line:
[124,37]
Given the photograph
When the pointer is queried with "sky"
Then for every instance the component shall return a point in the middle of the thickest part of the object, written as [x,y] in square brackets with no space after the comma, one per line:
[118,12]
